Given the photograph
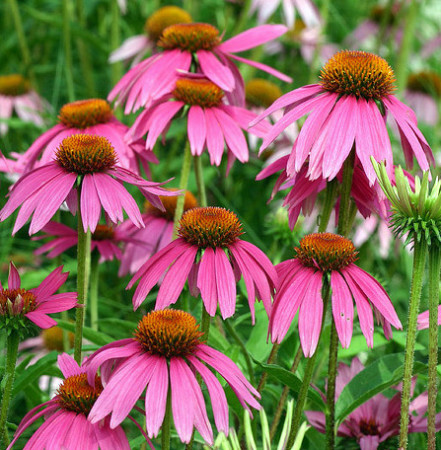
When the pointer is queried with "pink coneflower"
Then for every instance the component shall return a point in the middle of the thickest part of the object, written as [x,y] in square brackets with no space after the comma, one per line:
[35,304]
[66,425]
[105,239]
[164,356]
[93,159]
[93,117]
[211,123]
[157,75]
[423,319]
[135,47]
[344,111]
[376,420]
[17,95]
[300,289]
[199,256]
[157,233]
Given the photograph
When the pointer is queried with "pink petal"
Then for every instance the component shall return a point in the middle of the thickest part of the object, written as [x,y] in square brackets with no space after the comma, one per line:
[90,204]
[68,365]
[215,71]
[50,284]
[14,281]
[225,283]
[206,281]
[215,138]
[196,129]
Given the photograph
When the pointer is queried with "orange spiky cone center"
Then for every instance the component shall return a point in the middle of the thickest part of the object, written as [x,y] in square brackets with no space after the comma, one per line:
[103,233]
[53,338]
[190,37]
[14,85]
[260,92]
[169,204]
[426,82]
[163,18]
[85,113]
[200,92]
[16,301]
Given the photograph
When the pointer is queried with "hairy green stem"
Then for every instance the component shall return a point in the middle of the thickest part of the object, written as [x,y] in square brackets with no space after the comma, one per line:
[67,40]
[434,279]
[93,289]
[199,174]
[344,215]
[330,393]
[165,429]
[419,262]
[12,342]
[83,271]
[271,358]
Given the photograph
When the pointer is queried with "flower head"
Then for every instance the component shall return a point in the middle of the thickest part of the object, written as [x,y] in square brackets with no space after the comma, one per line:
[347,110]
[17,94]
[66,423]
[164,355]
[19,307]
[209,253]
[300,289]
[90,160]
[376,420]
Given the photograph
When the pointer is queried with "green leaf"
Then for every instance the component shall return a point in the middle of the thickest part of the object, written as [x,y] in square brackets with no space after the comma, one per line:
[380,375]
[96,337]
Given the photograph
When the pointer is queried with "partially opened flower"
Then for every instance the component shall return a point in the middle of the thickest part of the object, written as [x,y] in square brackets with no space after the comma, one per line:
[348,109]
[209,253]
[163,358]
[135,47]
[16,94]
[18,306]
[211,123]
[65,423]
[156,234]
[183,43]
[376,420]
[94,117]
[92,159]
[300,289]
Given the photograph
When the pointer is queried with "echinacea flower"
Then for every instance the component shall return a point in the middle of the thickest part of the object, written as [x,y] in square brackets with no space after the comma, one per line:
[156,234]
[92,159]
[198,254]
[376,420]
[348,109]
[163,358]
[423,319]
[16,94]
[18,305]
[105,239]
[157,75]
[211,123]
[65,416]
[300,289]
[135,47]
[94,117]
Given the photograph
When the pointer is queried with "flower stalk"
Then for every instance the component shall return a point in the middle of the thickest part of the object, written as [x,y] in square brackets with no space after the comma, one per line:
[93,291]
[67,39]
[165,429]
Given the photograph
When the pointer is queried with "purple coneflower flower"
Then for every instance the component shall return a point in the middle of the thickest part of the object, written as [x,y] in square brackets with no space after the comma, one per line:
[17,95]
[164,356]
[156,234]
[93,160]
[66,425]
[157,75]
[376,420]
[344,110]
[34,304]
[198,254]
[300,289]
[211,123]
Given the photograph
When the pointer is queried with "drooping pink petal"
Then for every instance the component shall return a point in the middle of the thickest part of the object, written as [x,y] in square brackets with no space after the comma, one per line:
[50,284]
[196,129]
[342,308]
[225,283]
[206,281]
[215,139]
[68,365]
[40,319]
[215,71]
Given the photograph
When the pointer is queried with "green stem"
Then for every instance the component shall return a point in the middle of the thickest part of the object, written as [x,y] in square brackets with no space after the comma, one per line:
[307,377]
[68,69]
[244,17]
[434,279]
[401,65]
[165,435]
[25,53]
[115,39]
[93,289]
[232,332]
[205,322]
[344,214]
[12,342]
[330,194]
[284,396]
[185,173]
[198,171]
[271,358]
[83,271]
[419,261]
[330,393]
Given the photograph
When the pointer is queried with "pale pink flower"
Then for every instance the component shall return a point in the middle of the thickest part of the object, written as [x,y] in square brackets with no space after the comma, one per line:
[156,234]
[163,358]
[208,232]
[42,191]
[93,117]
[17,95]
[156,76]
[65,416]
[366,229]
[35,304]
[423,319]
[343,113]
[376,420]
[211,123]
[136,47]
[300,289]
